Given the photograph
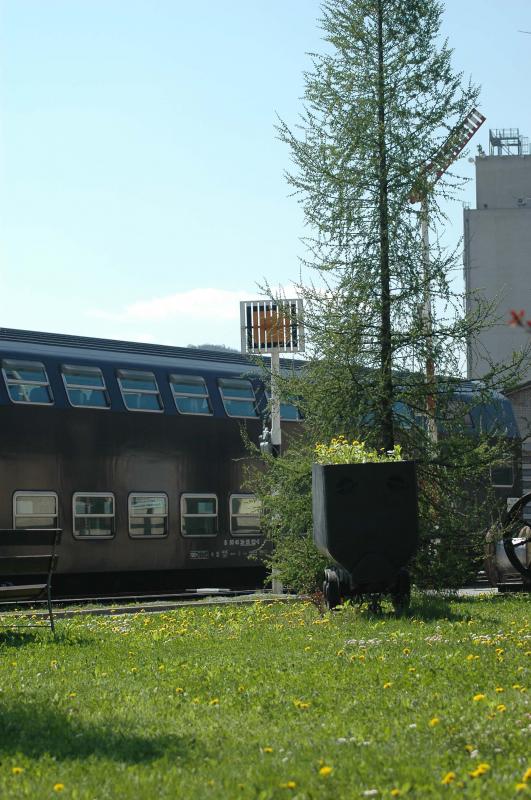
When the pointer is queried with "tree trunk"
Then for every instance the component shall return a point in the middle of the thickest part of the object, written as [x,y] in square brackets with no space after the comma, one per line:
[386,381]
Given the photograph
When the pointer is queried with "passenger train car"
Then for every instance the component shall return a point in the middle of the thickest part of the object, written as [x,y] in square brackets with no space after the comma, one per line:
[135,451]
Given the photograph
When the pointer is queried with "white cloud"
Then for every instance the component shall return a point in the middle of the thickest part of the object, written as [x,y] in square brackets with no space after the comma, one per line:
[199,304]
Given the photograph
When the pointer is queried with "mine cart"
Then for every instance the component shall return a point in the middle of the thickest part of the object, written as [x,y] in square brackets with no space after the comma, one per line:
[365,520]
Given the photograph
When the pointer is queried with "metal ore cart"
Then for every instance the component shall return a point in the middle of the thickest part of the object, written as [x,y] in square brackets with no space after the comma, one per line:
[365,519]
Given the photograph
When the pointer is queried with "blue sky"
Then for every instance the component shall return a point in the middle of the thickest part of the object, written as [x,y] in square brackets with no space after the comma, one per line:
[141,185]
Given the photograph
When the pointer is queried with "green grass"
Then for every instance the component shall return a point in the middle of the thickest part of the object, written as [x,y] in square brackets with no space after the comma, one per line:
[253,701]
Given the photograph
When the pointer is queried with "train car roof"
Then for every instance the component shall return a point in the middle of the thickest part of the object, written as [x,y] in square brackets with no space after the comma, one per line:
[60,345]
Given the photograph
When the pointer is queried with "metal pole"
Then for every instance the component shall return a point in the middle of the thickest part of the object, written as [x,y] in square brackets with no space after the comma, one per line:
[427,318]
[276,434]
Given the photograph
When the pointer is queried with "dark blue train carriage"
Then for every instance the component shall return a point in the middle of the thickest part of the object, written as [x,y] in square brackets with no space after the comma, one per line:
[135,451]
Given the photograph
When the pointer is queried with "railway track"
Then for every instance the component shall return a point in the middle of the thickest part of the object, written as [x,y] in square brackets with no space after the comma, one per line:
[69,608]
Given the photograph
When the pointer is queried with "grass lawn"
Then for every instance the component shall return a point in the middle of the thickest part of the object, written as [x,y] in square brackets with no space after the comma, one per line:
[271,701]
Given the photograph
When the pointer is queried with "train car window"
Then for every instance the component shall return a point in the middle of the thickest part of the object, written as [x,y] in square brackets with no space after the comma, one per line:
[502,475]
[199,515]
[35,510]
[139,390]
[148,515]
[244,514]
[93,515]
[238,397]
[289,410]
[27,382]
[85,386]
[190,394]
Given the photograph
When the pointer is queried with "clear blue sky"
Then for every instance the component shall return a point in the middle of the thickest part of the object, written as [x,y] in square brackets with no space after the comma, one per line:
[141,184]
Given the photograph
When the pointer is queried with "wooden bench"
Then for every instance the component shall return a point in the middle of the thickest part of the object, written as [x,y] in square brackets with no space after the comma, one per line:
[28,558]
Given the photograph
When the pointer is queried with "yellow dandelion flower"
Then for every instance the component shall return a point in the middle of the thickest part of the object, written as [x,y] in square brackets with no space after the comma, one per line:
[73,694]
[214,701]
[499,651]
[406,651]
[325,771]
[433,722]
[267,749]
[17,770]
[516,686]
[300,704]
[479,697]
[387,685]
[288,785]
[527,775]
[179,690]
[520,787]
[499,689]
[395,792]
[501,708]
[448,778]
[58,787]
[480,770]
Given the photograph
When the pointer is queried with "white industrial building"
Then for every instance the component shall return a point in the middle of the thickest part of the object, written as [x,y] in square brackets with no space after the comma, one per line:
[497,246]
[497,262]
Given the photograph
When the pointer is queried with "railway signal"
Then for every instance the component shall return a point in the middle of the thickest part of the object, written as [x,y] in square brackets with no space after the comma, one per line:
[455,143]
[272,327]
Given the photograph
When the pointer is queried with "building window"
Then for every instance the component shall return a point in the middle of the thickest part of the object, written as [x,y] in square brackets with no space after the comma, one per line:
[35,510]
[244,514]
[139,390]
[199,515]
[27,382]
[148,515]
[238,397]
[502,475]
[93,515]
[85,386]
[190,394]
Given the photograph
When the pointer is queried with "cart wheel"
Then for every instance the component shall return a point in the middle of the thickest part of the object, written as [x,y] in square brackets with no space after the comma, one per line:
[331,590]
[401,592]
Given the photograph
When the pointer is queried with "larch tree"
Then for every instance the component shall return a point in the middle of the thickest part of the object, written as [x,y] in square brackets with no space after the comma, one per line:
[379,103]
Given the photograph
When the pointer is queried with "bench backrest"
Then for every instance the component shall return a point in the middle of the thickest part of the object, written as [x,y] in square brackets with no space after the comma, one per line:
[28,537]
[27,552]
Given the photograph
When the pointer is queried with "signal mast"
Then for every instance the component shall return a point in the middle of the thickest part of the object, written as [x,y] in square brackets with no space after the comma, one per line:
[457,140]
